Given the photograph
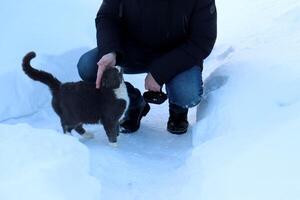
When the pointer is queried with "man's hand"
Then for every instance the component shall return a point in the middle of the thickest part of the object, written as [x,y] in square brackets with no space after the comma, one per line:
[151,84]
[108,60]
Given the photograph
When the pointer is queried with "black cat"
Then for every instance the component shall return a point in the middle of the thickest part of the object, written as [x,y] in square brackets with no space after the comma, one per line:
[78,103]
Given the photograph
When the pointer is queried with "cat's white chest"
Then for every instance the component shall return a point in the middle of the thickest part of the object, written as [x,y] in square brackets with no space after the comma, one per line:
[121,93]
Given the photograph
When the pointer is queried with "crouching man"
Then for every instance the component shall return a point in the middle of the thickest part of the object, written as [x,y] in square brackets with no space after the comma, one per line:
[166,39]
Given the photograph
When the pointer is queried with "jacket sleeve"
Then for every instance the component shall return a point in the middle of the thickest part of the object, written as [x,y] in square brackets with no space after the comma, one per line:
[202,34]
[108,28]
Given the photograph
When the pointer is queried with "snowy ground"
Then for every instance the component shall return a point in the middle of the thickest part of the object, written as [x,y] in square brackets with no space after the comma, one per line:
[41,164]
[243,146]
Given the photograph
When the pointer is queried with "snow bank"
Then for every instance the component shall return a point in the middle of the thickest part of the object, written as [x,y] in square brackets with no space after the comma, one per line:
[247,138]
[42,164]
[244,167]
[58,35]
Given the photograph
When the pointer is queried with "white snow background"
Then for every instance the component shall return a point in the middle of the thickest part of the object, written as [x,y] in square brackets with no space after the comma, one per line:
[244,137]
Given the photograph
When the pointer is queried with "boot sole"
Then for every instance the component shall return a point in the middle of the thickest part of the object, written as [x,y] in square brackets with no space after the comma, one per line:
[177,132]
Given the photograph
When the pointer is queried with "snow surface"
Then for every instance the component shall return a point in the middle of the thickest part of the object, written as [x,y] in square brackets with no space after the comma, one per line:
[244,144]
[42,164]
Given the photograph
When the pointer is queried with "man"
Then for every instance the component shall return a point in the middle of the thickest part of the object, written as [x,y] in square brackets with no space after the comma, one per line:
[167,39]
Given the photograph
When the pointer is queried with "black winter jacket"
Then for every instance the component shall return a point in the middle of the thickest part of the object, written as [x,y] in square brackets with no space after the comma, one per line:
[164,37]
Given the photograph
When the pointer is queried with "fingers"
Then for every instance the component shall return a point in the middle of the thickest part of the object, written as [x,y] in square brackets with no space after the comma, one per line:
[108,60]
[102,64]
[146,86]
[151,84]
[155,88]
[99,77]
[147,82]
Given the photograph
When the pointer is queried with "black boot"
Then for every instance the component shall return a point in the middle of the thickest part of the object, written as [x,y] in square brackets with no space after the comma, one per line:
[178,123]
[137,109]
[132,119]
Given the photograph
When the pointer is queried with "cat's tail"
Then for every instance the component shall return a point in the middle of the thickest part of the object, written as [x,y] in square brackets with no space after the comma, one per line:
[39,75]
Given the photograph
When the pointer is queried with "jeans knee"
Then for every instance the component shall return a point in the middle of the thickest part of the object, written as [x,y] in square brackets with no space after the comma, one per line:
[81,68]
[185,89]
[187,103]
[184,97]
[87,68]
[193,102]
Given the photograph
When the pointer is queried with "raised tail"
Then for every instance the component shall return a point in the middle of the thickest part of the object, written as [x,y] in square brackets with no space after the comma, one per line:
[39,75]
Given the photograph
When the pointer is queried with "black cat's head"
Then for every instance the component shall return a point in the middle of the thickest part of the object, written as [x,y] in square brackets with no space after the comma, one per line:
[112,78]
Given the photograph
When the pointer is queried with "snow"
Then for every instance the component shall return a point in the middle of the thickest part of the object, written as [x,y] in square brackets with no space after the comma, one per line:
[243,142]
[247,135]
[43,164]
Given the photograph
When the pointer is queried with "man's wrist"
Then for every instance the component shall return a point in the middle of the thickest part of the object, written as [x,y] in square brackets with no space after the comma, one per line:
[157,78]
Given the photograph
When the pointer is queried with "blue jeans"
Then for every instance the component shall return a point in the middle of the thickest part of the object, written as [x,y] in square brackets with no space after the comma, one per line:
[184,90]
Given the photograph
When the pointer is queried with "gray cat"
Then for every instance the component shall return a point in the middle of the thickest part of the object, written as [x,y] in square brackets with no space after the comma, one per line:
[78,103]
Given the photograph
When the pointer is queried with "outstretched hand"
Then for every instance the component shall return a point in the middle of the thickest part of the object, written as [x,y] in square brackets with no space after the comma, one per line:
[151,84]
[108,60]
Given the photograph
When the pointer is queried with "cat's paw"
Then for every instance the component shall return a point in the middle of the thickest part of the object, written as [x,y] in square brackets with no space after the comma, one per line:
[88,135]
[113,144]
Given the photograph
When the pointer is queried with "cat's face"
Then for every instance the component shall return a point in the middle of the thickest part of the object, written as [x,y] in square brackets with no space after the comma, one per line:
[112,78]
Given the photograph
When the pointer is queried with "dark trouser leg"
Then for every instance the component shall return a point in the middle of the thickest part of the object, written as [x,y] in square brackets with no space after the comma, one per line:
[136,110]
[135,97]
[87,65]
